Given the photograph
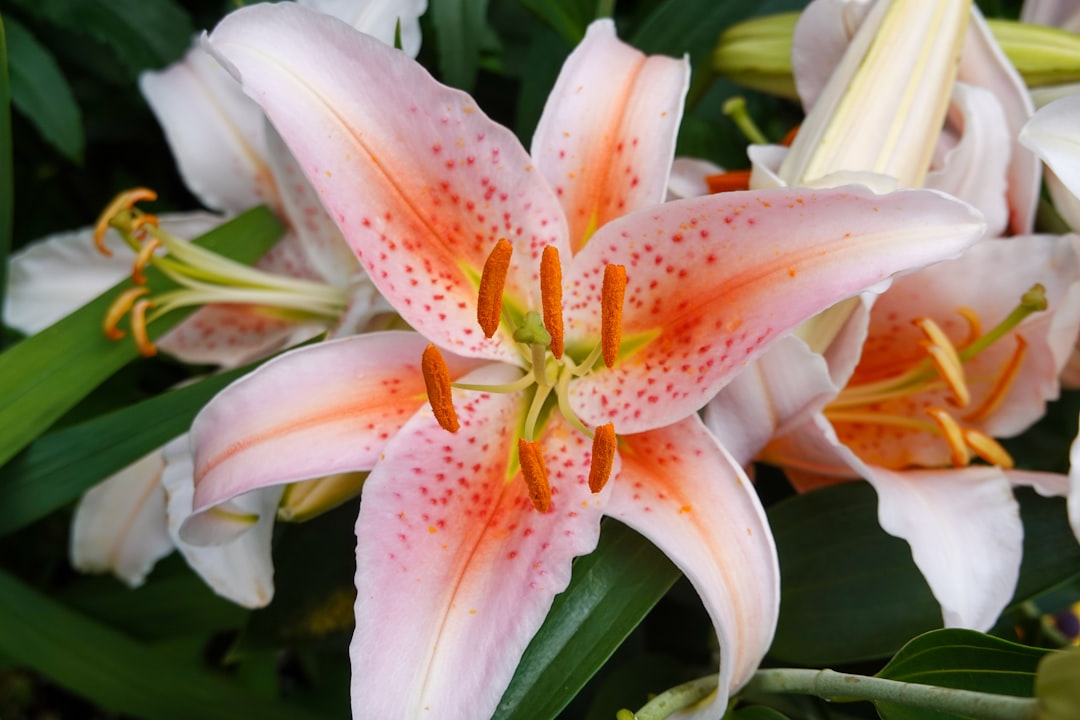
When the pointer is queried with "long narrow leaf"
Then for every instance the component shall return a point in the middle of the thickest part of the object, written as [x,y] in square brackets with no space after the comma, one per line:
[611,591]
[113,670]
[45,375]
[61,466]
[461,26]
[6,177]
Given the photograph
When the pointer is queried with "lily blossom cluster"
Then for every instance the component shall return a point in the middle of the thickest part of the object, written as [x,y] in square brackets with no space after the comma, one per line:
[567,327]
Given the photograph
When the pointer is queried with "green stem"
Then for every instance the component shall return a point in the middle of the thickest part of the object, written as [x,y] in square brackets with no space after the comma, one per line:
[832,685]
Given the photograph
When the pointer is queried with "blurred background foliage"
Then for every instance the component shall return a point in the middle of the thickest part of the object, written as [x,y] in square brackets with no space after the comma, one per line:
[74,646]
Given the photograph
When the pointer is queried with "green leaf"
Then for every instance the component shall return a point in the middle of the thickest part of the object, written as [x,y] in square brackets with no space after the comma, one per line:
[61,466]
[45,375]
[568,18]
[962,659]
[41,92]
[461,27]
[1056,685]
[114,671]
[173,603]
[851,592]
[758,712]
[144,34]
[611,591]
[7,202]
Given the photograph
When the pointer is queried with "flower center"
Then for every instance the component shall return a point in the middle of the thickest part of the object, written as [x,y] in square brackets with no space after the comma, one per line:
[912,399]
[201,277]
[548,369]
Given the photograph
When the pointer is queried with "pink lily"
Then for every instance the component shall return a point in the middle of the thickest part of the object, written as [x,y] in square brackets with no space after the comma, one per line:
[231,160]
[477,527]
[895,403]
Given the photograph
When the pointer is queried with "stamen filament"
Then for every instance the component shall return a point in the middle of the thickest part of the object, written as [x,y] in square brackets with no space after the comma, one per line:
[612,294]
[492,282]
[120,307]
[945,359]
[535,474]
[539,397]
[562,392]
[551,297]
[437,382]
[587,364]
[520,384]
[138,328]
[603,457]
[954,436]
[1002,384]
[876,418]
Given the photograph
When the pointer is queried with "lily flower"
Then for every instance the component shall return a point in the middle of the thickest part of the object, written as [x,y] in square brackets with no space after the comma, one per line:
[310,282]
[913,391]
[568,327]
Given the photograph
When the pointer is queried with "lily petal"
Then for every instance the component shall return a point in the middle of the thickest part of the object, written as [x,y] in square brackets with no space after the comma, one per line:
[240,570]
[119,525]
[315,411]
[607,134]
[55,276]
[974,169]
[420,181]
[682,490]
[983,63]
[964,529]
[215,133]
[1059,13]
[378,18]
[688,177]
[456,570]
[711,281]
[1052,134]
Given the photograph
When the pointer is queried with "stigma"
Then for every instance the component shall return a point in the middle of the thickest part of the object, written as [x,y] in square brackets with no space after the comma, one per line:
[933,396]
[549,369]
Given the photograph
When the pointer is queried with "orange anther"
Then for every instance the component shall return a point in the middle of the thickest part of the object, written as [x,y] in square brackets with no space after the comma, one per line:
[142,259]
[142,221]
[945,359]
[138,328]
[551,297]
[988,449]
[612,294]
[437,381]
[1001,386]
[492,282]
[535,474]
[120,306]
[603,457]
[790,136]
[954,435]
[974,324]
[728,181]
[123,201]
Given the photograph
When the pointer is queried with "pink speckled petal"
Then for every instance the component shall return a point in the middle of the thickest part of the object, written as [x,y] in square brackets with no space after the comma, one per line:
[215,133]
[456,569]
[681,489]
[232,335]
[983,63]
[964,529]
[607,135]
[318,238]
[119,524]
[315,411]
[420,181]
[712,281]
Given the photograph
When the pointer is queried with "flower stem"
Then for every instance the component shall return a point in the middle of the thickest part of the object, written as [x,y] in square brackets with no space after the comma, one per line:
[832,685]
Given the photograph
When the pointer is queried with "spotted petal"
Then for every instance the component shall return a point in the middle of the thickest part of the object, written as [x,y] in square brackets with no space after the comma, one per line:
[607,135]
[456,569]
[681,489]
[712,281]
[315,411]
[420,181]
